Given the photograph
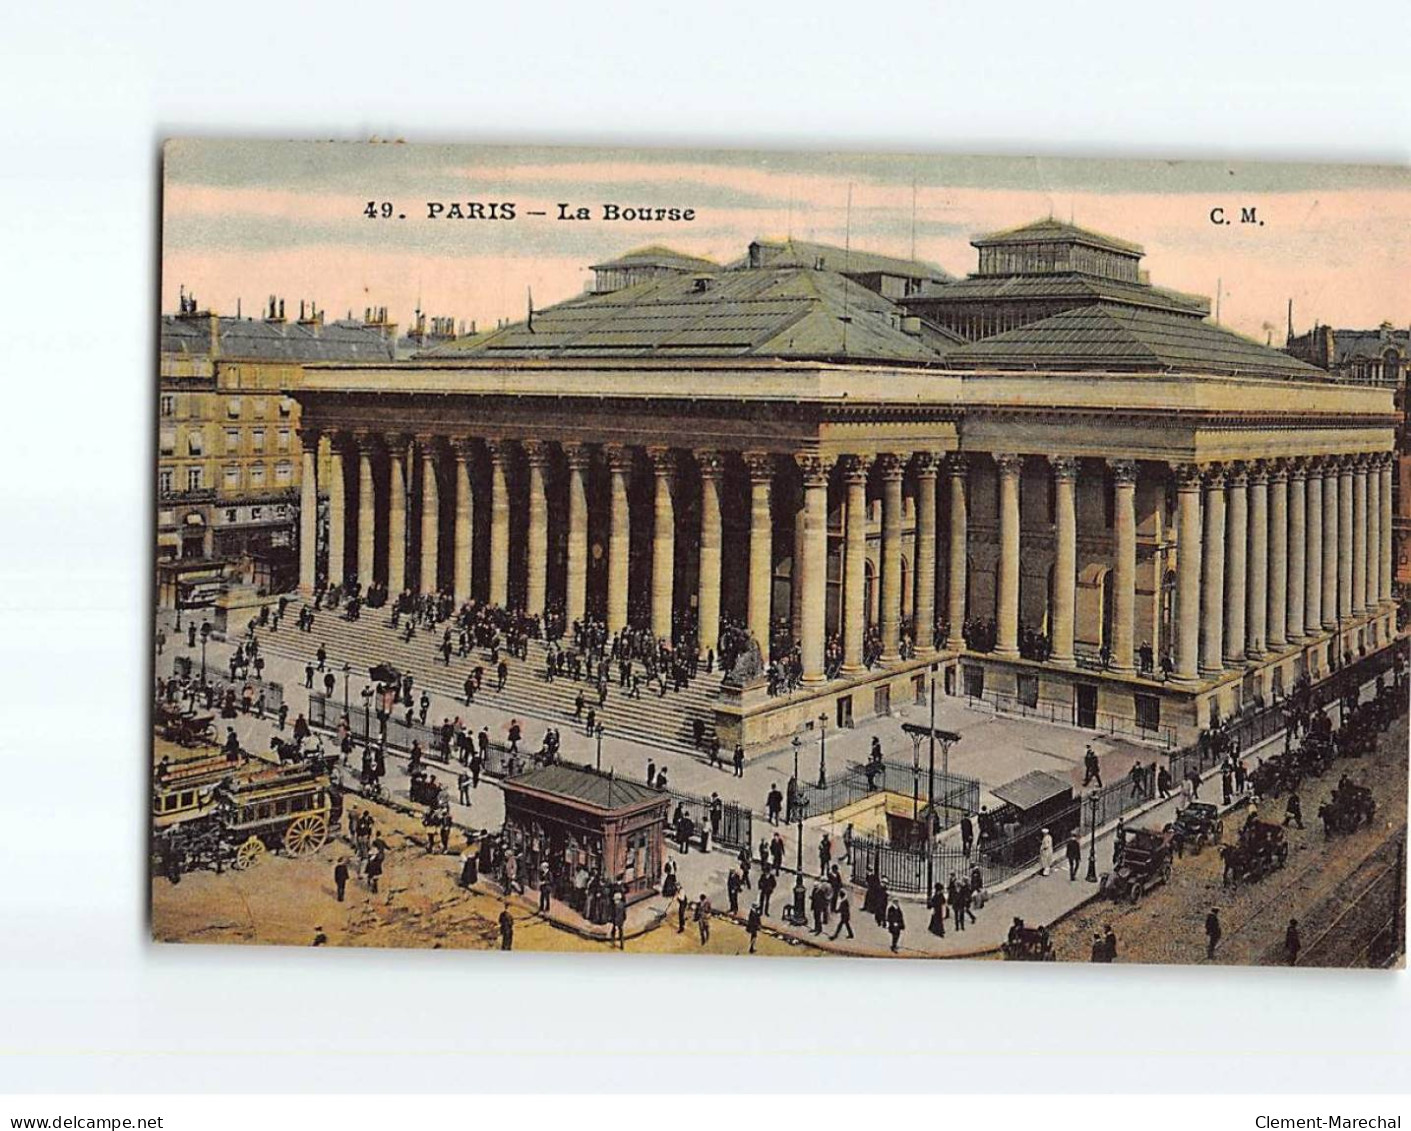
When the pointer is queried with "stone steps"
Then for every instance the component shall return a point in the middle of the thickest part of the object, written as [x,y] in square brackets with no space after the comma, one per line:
[665,722]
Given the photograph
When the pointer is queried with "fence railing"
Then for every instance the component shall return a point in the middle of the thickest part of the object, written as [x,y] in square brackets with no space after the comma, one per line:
[219,682]
[955,795]
[735,828]
[1050,711]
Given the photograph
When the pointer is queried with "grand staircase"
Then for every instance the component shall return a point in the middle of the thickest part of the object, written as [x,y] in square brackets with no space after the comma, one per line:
[663,721]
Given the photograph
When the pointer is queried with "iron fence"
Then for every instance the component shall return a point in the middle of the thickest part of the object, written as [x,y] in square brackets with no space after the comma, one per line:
[735,827]
[955,795]
[1050,711]
[219,684]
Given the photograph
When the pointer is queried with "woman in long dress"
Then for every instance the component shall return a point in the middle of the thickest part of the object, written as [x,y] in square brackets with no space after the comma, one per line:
[1046,854]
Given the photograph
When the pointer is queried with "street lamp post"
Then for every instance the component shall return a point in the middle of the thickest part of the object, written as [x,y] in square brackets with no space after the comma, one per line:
[1092,838]
[822,751]
[347,671]
[205,635]
[797,815]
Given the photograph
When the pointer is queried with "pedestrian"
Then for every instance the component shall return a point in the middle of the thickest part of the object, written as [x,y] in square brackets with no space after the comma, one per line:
[320,939]
[1092,771]
[767,884]
[703,918]
[1227,784]
[1292,942]
[308,675]
[1046,853]
[773,803]
[1293,811]
[752,925]
[732,890]
[373,871]
[825,853]
[544,886]
[619,918]
[937,905]
[967,835]
[1109,943]
[844,915]
[1074,853]
[739,760]
[651,772]
[895,924]
[1212,932]
[340,876]
[847,844]
[506,928]
[463,784]
[1163,783]
[1099,951]
[682,906]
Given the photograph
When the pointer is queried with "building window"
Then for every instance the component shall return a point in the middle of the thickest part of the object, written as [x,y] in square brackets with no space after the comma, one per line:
[193,478]
[195,443]
[257,440]
[168,441]
[164,481]
[232,477]
[1148,709]
[168,404]
[257,475]
[284,439]
[232,408]
[232,440]
[284,473]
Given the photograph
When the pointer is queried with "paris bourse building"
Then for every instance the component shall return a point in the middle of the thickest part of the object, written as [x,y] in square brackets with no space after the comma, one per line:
[1078,497]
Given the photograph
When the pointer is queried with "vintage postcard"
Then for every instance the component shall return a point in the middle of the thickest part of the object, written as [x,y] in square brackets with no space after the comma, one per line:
[792,554]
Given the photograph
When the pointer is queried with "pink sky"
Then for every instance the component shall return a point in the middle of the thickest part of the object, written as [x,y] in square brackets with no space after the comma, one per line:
[246,220]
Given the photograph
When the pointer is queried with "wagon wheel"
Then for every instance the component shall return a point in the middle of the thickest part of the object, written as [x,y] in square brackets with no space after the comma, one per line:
[1166,872]
[1200,843]
[1136,893]
[305,834]
[249,853]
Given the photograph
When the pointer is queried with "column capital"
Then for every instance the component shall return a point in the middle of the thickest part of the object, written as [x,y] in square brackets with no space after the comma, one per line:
[464,449]
[663,460]
[429,443]
[1298,468]
[364,439]
[710,463]
[1258,470]
[396,442]
[1214,475]
[536,452]
[1009,463]
[1124,471]
[957,465]
[1344,464]
[498,448]
[855,468]
[1236,474]
[1188,476]
[890,465]
[925,463]
[1065,468]
[760,466]
[1279,469]
[578,456]
[813,467]
[308,437]
[619,457]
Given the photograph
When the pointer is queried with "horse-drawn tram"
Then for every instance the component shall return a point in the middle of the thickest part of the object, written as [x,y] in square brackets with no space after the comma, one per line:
[215,813]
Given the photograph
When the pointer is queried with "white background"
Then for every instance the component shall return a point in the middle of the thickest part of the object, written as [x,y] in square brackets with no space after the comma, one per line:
[89,91]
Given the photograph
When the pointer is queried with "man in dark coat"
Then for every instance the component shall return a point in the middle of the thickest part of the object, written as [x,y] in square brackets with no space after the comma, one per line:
[752,927]
[506,929]
[340,877]
[1075,857]
[844,915]
[895,924]
[1212,932]
[1292,942]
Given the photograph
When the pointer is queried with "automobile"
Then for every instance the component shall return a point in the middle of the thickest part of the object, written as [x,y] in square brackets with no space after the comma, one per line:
[1196,826]
[1146,862]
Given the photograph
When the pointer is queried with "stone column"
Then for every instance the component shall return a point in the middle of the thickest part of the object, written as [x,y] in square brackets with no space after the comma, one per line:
[1374,535]
[337,512]
[1314,555]
[854,563]
[1212,651]
[367,511]
[795,570]
[815,566]
[1236,563]
[499,523]
[396,516]
[1384,587]
[663,544]
[1329,568]
[575,602]
[1358,596]
[1277,614]
[761,469]
[537,557]
[712,468]
[1124,572]
[308,511]
[889,606]
[923,558]
[1065,561]
[956,580]
[1257,610]
[1344,482]
[1188,563]
[619,536]
[430,515]
[465,513]
[1007,585]
[1297,550]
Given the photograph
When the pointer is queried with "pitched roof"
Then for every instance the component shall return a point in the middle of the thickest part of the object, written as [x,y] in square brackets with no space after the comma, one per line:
[1107,337]
[802,253]
[1032,789]
[602,791]
[657,256]
[1056,231]
[790,313]
[259,340]
[1370,344]
[1070,285]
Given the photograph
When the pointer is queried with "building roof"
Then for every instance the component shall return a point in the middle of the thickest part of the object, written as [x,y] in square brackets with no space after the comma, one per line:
[587,786]
[657,256]
[1068,286]
[802,253]
[1107,337]
[775,312]
[1369,344]
[261,340]
[1056,231]
[1032,790]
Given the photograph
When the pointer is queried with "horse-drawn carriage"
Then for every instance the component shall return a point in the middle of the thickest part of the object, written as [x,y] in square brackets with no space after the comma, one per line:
[1146,862]
[425,789]
[1196,826]
[310,750]
[213,812]
[1028,944]
[183,728]
[1278,775]
[1350,807]
[1262,847]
